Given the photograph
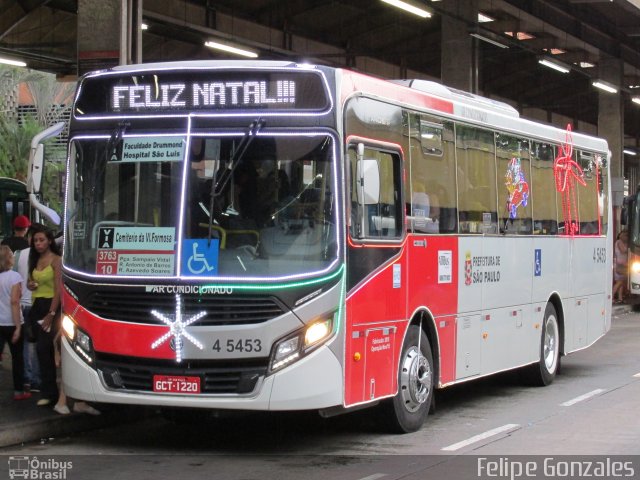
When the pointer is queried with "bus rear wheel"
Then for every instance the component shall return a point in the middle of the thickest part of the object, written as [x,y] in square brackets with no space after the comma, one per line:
[408,410]
[544,371]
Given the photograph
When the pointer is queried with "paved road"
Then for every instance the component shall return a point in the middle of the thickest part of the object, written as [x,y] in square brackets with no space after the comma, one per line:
[591,409]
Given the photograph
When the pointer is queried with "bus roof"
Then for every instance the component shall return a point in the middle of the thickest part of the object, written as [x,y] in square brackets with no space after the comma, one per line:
[203,64]
[436,98]
[418,94]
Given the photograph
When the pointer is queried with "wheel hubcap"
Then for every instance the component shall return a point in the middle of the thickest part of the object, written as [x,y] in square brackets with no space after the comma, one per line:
[415,379]
[551,344]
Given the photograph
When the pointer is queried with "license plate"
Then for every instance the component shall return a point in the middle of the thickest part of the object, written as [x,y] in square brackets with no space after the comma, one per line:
[176,384]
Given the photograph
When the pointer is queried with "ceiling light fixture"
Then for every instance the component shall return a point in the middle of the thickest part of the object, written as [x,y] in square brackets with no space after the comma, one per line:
[484,18]
[407,7]
[488,40]
[554,65]
[554,51]
[604,86]
[629,152]
[144,26]
[520,35]
[231,49]
[15,63]
[635,99]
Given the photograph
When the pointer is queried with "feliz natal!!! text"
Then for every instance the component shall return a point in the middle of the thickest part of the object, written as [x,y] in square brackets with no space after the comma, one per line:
[180,95]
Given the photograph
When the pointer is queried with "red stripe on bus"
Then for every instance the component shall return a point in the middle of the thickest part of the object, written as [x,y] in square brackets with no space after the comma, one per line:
[354,82]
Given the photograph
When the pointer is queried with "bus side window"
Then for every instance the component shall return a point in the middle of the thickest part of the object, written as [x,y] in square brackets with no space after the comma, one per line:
[545,209]
[476,174]
[514,185]
[381,217]
[588,204]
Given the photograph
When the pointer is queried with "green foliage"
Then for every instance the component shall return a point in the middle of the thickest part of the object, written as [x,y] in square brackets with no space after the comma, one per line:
[50,100]
[15,144]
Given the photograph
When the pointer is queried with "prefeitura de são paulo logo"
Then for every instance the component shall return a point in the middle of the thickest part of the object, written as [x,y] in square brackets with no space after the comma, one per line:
[38,468]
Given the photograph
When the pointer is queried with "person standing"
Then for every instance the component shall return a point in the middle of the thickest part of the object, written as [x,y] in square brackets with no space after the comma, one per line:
[11,318]
[45,277]
[31,366]
[18,240]
[620,266]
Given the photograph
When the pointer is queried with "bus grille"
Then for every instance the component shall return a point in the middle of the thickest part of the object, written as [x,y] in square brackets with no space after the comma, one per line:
[216,377]
[229,310]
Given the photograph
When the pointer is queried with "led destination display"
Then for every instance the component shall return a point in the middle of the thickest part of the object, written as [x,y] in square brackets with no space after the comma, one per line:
[210,90]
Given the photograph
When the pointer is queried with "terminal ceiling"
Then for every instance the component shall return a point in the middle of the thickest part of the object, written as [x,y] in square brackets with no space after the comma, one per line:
[373,37]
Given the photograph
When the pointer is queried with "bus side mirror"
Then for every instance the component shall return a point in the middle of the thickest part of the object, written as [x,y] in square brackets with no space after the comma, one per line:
[369,182]
[36,169]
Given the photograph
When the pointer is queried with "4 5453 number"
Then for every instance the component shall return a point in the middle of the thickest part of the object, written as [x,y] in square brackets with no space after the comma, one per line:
[599,255]
[238,345]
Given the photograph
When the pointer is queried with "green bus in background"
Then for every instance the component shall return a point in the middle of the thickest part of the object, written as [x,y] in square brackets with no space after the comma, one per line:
[14,201]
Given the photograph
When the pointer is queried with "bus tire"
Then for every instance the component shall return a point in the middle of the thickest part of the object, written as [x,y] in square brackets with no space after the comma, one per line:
[408,410]
[544,371]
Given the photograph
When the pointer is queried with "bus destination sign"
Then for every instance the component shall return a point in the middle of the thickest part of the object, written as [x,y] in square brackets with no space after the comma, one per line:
[212,91]
[214,94]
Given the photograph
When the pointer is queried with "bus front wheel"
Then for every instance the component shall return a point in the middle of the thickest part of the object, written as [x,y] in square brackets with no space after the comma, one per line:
[544,371]
[408,410]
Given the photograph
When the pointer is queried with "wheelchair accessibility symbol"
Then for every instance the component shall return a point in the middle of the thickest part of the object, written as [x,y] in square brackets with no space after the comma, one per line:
[199,257]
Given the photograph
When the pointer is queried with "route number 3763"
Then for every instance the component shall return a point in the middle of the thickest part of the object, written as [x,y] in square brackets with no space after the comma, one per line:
[599,255]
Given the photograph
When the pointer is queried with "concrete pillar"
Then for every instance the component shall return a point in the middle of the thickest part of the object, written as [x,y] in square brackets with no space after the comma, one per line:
[134,31]
[459,60]
[611,128]
[108,33]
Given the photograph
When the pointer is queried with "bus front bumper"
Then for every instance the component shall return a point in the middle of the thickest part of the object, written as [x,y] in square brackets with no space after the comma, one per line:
[312,383]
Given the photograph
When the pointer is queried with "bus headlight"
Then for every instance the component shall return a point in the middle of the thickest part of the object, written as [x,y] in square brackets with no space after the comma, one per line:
[635,267]
[285,352]
[316,332]
[79,340]
[68,327]
[296,346]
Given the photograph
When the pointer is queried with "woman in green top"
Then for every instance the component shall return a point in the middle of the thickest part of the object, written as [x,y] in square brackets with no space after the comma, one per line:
[45,279]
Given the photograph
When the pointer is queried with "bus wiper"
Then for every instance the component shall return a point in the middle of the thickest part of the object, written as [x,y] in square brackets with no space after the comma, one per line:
[297,197]
[219,184]
[114,141]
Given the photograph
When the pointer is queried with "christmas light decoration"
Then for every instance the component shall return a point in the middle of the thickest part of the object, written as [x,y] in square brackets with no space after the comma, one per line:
[567,172]
[177,328]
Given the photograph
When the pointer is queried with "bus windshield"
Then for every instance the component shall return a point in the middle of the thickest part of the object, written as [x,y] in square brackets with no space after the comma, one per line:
[239,208]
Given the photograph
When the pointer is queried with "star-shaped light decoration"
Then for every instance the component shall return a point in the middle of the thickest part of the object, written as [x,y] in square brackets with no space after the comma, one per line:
[177,328]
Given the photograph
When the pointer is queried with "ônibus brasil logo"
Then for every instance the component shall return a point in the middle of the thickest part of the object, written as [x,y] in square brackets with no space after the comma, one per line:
[38,469]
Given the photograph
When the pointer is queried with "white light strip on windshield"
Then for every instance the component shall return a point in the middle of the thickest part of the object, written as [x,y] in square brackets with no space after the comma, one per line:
[329,268]
[183,200]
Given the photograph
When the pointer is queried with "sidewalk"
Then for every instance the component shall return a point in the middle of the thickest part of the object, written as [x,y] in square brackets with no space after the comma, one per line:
[23,421]
[630,305]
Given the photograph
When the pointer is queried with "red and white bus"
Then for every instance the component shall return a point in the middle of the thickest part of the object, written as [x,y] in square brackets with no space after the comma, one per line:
[630,216]
[280,236]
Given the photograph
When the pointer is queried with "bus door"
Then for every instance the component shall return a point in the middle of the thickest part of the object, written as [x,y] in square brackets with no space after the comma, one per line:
[376,302]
